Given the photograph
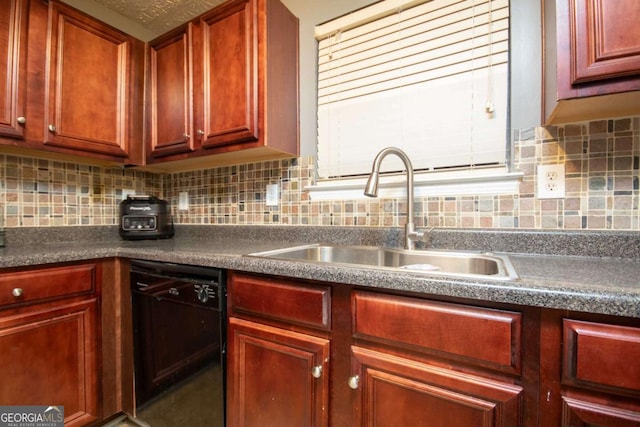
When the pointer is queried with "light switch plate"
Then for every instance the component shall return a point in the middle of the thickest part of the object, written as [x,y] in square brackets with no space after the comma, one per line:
[127,192]
[272,195]
[183,201]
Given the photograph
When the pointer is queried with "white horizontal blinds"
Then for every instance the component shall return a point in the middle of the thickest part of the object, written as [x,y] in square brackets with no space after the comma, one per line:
[420,79]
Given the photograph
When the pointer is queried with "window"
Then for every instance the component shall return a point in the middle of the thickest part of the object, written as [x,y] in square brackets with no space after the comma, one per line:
[429,77]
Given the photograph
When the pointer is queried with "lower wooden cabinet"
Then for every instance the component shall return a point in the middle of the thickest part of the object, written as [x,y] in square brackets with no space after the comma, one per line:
[426,363]
[408,360]
[49,336]
[586,413]
[393,390]
[600,374]
[306,354]
[279,353]
[276,377]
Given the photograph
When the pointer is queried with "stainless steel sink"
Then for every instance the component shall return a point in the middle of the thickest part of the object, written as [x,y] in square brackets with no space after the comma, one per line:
[431,262]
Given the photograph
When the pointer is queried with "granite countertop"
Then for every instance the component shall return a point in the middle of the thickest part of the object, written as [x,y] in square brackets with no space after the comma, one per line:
[572,276]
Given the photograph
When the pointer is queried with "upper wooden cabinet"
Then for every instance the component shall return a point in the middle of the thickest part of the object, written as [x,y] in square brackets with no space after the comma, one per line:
[170,89]
[231,64]
[236,69]
[599,41]
[84,93]
[90,85]
[598,59]
[13,56]
[225,83]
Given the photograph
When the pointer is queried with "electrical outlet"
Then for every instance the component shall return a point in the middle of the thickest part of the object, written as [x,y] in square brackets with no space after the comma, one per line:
[272,195]
[551,182]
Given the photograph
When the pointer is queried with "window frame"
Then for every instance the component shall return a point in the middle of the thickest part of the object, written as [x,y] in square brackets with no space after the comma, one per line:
[497,179]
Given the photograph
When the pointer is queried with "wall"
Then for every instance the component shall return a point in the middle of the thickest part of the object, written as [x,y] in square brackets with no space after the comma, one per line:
[602,167]
[40,193]
[602,190]
[602,160]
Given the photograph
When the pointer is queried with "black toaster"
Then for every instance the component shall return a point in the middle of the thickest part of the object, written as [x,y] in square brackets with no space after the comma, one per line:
[145,217]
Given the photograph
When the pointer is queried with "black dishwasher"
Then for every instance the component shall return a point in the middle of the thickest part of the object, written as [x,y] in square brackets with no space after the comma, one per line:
[179,322]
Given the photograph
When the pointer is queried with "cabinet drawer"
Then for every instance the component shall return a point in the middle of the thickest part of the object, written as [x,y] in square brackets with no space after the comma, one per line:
[485,337]
[46,283]
[288,301]
[601,355]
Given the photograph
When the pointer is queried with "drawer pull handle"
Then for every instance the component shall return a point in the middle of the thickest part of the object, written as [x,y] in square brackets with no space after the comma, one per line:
[354,382]
[16,292]
[316,371]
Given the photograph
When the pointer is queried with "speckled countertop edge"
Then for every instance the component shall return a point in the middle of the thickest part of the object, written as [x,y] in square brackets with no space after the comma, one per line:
[596,283]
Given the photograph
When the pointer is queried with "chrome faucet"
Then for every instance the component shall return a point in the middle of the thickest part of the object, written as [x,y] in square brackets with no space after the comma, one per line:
[371,190]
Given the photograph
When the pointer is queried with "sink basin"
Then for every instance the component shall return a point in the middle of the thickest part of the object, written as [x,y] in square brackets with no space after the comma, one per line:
[432,262]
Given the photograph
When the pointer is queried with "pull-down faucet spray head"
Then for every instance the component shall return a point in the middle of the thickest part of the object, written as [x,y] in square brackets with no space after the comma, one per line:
[371,189]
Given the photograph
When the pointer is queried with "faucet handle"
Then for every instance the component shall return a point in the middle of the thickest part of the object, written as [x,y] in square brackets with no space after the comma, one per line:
[420,235]
[416,234]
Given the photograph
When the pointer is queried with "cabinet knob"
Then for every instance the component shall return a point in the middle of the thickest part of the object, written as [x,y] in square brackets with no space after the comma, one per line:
[354,382]
[16,292]
[21,120]
[186,136]
[316,371]
[52,128]
[200,132]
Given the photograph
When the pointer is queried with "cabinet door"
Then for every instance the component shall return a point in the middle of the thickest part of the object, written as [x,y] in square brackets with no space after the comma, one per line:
[599,358]
[171,93]
[276,377]
[393,391]
[49,357]
[607,39]
[13,50]
[582,413]
[88,84]
[230,86]
[598,47]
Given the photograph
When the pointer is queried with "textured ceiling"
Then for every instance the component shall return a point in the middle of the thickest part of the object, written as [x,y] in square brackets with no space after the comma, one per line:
[159,16]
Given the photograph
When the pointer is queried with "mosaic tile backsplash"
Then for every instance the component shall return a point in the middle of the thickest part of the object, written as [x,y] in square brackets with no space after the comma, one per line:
[601,158]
